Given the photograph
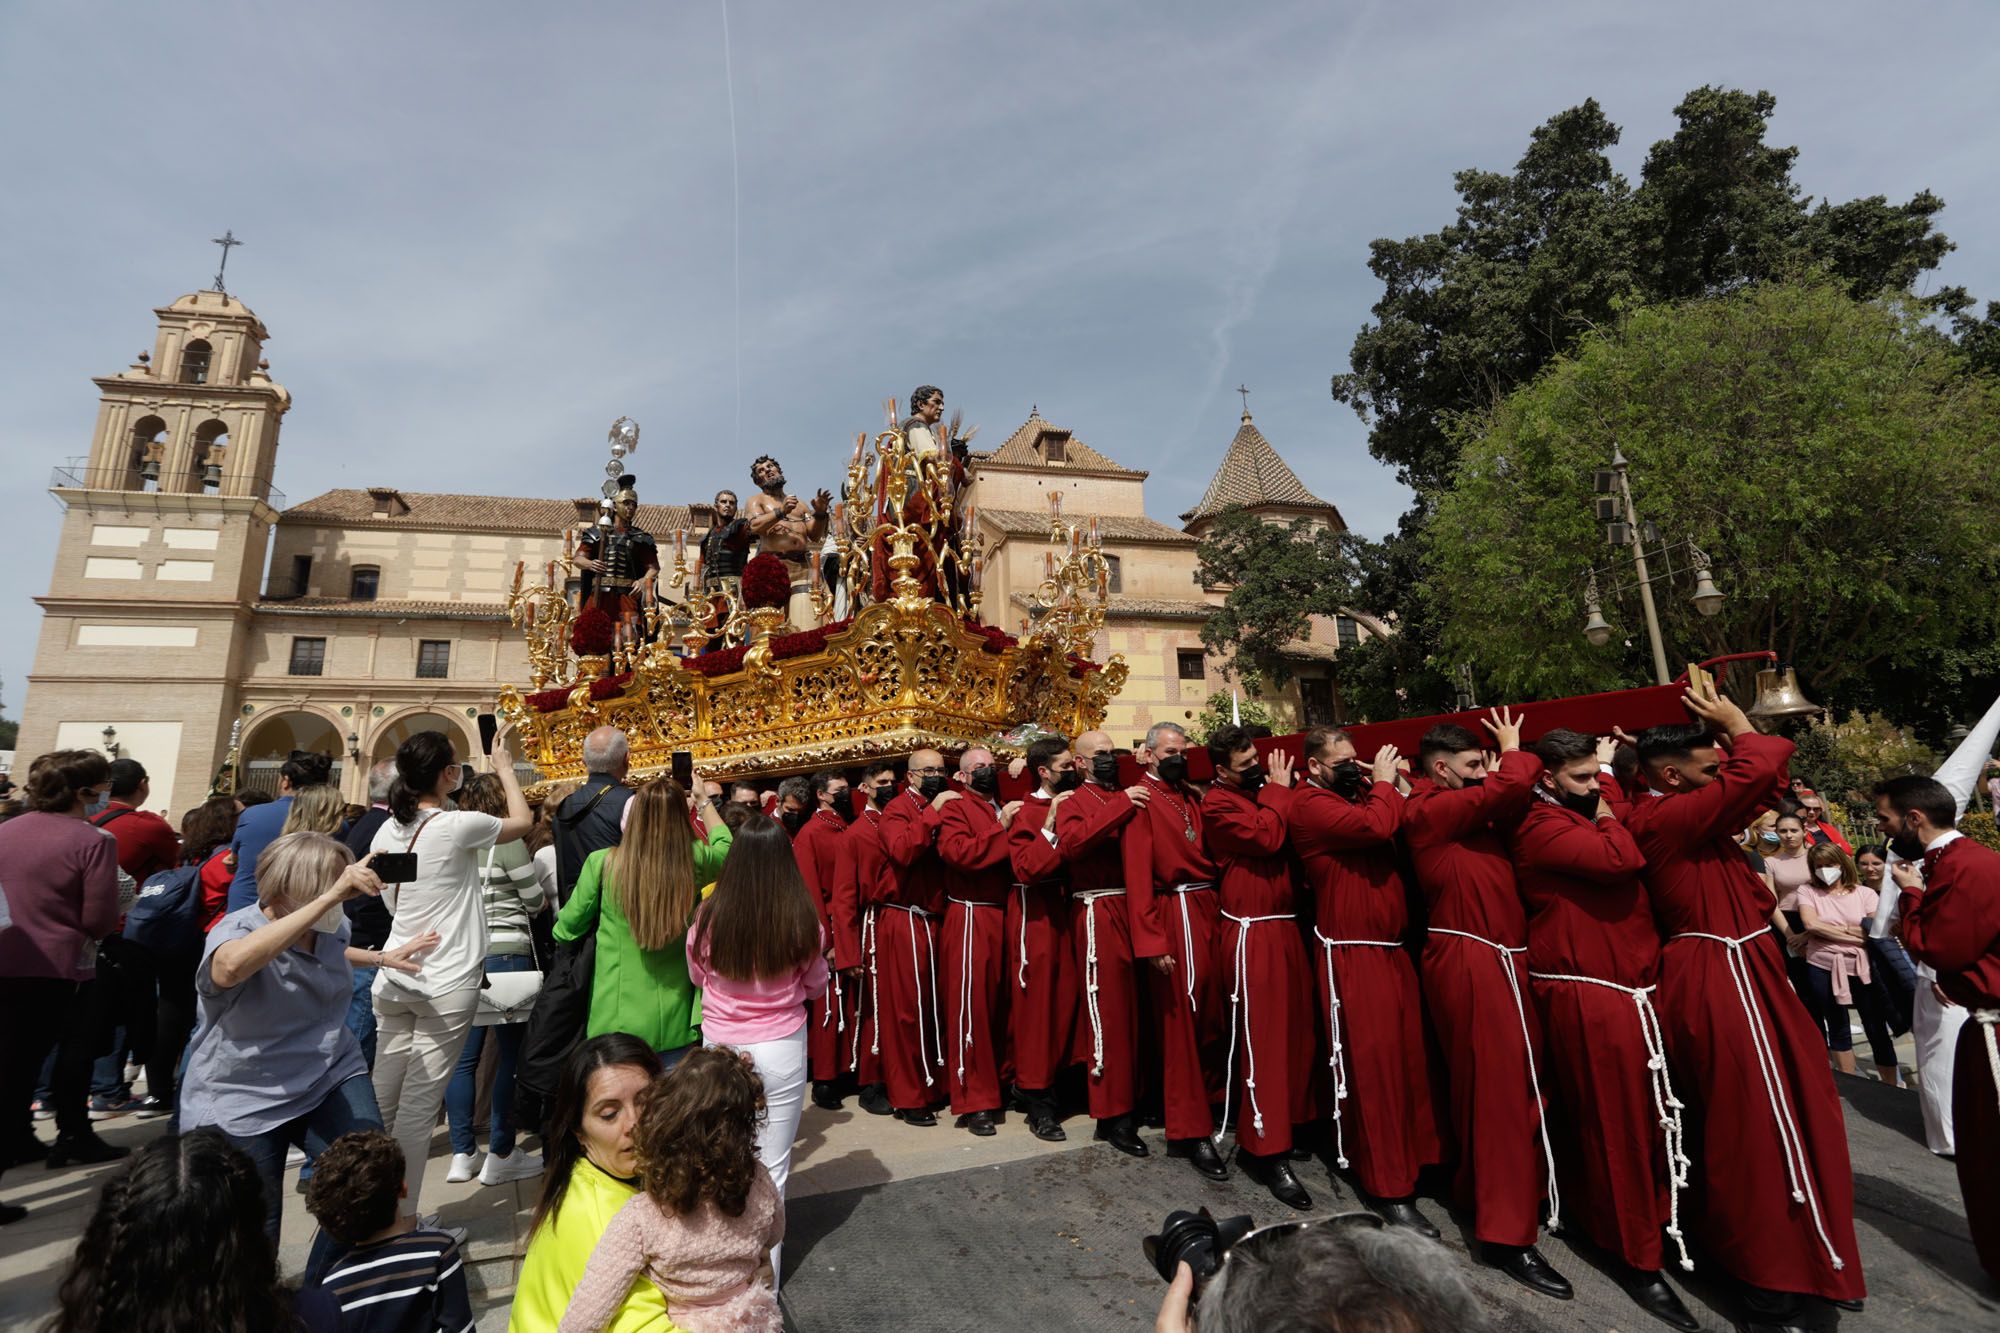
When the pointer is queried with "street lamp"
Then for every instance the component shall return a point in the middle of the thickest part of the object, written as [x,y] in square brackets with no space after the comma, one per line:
[354,746]
[1707,598]
[111,746]
[1624,527]
[1596,629]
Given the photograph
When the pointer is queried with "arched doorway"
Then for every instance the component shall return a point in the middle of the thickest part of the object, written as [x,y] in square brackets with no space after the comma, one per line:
[272,739]
[382,745]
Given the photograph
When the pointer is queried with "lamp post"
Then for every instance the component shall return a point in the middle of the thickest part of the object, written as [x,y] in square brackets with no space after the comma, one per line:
[111,746]
[1623,527]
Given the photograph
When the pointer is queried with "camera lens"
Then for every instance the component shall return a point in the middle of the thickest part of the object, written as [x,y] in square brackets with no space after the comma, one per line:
[1196,1239]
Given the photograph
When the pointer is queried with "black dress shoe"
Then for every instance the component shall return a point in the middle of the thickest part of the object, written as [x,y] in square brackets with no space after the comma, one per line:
[1526,1266]
[11,1212]
[1275,1174]
[875,1100]
[921,1119]
[826,1096]
[29,1149]
[979,1123]
[84,1149]
[1652,1294]
[1043,1125]
[1120,1134]
[1852,1307]
[1403,1213]
[1201,1152]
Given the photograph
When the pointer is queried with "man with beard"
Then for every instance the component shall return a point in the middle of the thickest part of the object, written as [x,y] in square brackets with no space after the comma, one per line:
[1594,963]
[1170,880]
[912,1023]
[1774,1193]
[816,846]
[1041,977]
[1343,825]
[1453,823]
[1089,827]
[1951,920]
[972,845]
[1262,954]
[726,546]
[863,880]
[782,526]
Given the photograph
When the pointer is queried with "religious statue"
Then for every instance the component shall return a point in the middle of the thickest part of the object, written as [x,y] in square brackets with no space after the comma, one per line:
[726,546]
[784,527]
[621,564]
[948,453]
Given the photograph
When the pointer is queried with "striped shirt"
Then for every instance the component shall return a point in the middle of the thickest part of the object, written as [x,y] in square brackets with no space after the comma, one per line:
[513,893]
[412,1283]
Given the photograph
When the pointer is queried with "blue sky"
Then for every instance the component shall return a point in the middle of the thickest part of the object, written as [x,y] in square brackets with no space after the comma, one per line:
[478,233]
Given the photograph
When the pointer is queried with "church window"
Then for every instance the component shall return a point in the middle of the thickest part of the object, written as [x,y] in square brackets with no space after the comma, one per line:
[302,568]
[1191,665]
[363,583]
[149,450]
[1055,449]
[308,657]
[433,659]
[194,362]
[1115,574]
[1346,631]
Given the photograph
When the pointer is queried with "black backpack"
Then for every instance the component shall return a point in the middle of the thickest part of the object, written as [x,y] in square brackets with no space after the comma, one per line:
[166,917]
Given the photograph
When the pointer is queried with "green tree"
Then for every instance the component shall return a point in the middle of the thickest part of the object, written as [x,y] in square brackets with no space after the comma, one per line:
[1832,455]
[1278,576]
[1845,759]
[1216,714]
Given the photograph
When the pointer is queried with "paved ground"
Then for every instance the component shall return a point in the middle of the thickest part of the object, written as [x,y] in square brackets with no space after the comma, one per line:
[895,1228]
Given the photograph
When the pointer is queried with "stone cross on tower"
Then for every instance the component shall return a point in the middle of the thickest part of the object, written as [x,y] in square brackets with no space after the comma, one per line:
[1246,400]
[227,240]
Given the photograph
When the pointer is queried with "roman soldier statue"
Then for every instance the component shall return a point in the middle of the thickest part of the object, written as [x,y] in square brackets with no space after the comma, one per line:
[621,563]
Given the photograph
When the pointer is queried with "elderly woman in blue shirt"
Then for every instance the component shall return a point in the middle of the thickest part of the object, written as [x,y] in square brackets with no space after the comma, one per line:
[272,1056]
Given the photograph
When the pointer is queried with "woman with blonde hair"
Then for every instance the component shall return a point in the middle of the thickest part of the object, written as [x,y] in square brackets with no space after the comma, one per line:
[639,898]
[272,1058]
[320,809]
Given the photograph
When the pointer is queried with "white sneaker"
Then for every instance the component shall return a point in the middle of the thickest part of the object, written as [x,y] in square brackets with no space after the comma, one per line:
[464,1166]
[294,1157]
[517,1165]
[431,1222]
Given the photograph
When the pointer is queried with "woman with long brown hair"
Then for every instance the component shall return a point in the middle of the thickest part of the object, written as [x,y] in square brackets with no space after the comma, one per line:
[639,898]
[758,952]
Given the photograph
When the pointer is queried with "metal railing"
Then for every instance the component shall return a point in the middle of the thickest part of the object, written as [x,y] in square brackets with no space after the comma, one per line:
[77,475]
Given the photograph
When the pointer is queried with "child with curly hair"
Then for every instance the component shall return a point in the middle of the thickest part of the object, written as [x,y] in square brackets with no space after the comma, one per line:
[707,1211]
[390,1276]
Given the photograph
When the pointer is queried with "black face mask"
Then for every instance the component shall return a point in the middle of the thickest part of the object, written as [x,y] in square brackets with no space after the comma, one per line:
[1584,803]
[1348,779]
[1250,779]
[1104,769]
[930,785]
[1173,768]
[1907,846]
[793,820]
[985,780]
[1069,781]
[882,793]
[1479,781]
[844,805]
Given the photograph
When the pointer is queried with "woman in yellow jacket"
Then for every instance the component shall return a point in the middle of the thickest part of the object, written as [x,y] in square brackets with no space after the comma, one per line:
[591,1175]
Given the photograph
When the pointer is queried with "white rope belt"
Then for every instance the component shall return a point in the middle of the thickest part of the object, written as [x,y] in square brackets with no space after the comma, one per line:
[874,994]
[833,1013]
[1021,973]
[1088,898]
[1987,1019]
[965,981]
[917,980]
[1527,1044]
[1665,1105]
[1238,995]
[1337,1060]
[1181,891]
[1797,1168]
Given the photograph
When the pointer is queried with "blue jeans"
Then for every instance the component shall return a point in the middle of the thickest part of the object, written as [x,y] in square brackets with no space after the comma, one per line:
[668,1059]
[361,1013]
[463,1091]
[349,1107]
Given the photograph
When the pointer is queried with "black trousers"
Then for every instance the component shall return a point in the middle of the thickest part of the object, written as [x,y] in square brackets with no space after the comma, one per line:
[33,1011]
[1868,1002]
[173,1024]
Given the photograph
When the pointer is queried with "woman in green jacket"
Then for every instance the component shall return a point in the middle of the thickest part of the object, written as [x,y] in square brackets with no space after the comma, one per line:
[639,897]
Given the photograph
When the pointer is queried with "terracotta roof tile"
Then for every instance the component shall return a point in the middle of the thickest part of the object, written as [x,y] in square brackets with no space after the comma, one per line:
[473,513]
[1252,474]
[1119,607]
[1112,527]
[1028,447]
[384,606]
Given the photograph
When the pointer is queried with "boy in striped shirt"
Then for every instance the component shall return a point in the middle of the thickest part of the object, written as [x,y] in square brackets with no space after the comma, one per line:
[390,1276]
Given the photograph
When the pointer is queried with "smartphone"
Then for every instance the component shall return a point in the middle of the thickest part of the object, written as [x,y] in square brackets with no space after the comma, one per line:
[683,770]
[489,727]
[394,867]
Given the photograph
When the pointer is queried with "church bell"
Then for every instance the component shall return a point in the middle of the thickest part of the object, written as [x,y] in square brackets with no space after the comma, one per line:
[1778,695]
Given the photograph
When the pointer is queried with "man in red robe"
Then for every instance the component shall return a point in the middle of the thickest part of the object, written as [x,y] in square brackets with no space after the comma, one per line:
[1475,982]
[1262,959]
[1170,883]
[972,844]
[913,1042]
[1041,978]
[1090,825]
[816,845]
[1774,1194]
[1594,963]
[862,879]
[1951,920]
[1343,825]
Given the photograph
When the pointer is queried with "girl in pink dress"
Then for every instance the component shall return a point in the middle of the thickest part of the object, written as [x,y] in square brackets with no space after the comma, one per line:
[706,1213]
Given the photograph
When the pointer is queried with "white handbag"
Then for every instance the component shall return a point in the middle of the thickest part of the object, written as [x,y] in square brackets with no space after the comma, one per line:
[504,997]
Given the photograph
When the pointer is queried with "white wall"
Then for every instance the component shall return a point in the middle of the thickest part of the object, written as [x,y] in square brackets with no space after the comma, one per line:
[157,745]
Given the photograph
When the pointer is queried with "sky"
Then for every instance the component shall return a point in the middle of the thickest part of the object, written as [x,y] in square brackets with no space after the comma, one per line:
[479,233]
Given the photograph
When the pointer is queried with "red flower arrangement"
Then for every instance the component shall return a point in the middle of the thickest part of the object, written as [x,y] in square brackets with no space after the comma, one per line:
[548,701]
[592,633]
[766,583]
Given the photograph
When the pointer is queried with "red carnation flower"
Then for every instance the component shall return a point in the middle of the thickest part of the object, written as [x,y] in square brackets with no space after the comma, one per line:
[592,633]
[766,583]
